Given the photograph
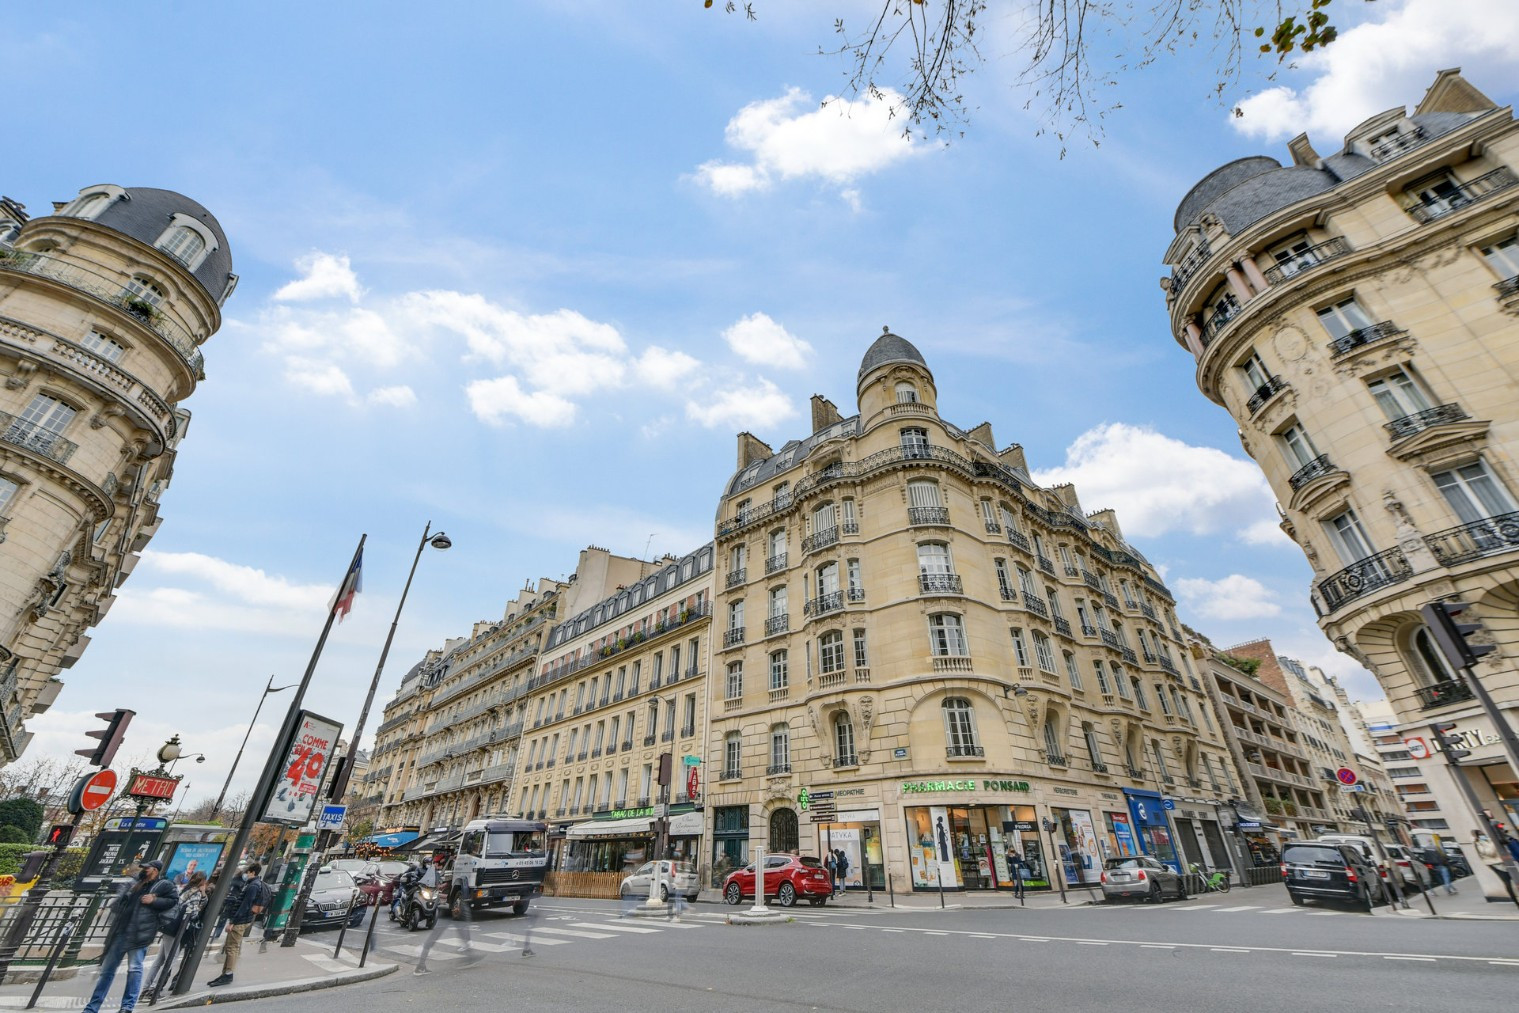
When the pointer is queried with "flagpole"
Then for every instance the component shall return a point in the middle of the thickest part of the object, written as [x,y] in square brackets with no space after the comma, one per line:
[261,792]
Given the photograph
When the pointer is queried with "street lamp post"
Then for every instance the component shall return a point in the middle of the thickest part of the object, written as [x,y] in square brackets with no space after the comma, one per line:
[269,687]
[339,784]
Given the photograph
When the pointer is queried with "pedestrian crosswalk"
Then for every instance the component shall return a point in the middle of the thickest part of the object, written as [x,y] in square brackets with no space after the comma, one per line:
[1222,908]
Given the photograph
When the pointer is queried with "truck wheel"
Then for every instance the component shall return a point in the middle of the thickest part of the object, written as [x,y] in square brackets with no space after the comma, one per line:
[456,904]
[520,907]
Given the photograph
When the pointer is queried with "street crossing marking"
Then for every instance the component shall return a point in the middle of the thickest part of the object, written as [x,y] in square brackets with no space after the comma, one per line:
[1196,907]
[1227,949]
[1296,953]
[577,933]
[638,929]
[1242,907]
[1156,946]
[1428,960]
[1280,911]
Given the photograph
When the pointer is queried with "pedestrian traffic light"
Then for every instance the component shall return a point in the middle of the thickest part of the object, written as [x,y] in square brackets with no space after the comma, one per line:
[1451,636]
[666,762]
[110,737]
[1449,743]
[59,836]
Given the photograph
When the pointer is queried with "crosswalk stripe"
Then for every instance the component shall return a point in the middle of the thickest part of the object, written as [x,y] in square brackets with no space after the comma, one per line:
[1242,907]
[640,929]
[1280,911]
[1196,907]
[515,941]
[577,933]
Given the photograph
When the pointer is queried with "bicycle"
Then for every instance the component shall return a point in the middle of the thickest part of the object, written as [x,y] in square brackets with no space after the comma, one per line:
[1218,882]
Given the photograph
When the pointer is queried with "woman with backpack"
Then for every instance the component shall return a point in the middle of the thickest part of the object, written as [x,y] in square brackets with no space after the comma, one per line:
[179,926]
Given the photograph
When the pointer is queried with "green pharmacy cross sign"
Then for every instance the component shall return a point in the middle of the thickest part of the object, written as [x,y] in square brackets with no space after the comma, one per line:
[803,799]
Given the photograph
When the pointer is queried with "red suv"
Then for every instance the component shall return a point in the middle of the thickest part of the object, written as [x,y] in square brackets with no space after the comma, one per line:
[787,877]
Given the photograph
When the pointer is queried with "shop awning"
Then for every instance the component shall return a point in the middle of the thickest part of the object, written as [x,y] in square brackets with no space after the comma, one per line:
[685,825]
[432,840]
[394,840]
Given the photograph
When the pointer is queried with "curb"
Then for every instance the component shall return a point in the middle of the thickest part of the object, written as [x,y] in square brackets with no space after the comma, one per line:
[207,998]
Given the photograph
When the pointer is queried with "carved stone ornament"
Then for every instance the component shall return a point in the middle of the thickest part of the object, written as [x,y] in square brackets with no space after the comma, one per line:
[867,713]
[1031,707]
[812,719]
[1117,726]
[1291,343]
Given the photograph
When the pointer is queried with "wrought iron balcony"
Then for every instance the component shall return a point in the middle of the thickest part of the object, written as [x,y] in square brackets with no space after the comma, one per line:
[1090,580]
[1184,271]
[1398,143]
[1062,627]
[1056,759]
[1099,767]
[777,624]
[1305,260]
[1111,600]
[857,594]
[1019,539]
[1219,318]
[993,528]
[824,604]
[1148,611]
[1167,664]
[1047,565]
[940,583]
[963,751]
[1363,577]
[1135,772]
[847,761]
[820,539]
[1316,468]
[1364,336]
[1070,570]
[737,577]
[1508,287]
[30,436]
[1464,194]
[1109,637]
[775,562]
[778,768]
[1475,539]
[928,515]
[730,774]
[1008,594]
[851,527]
[1128,654]
[1408,425]
[1088,630]
[1036,605]
[648,740]
[733,637]
[1264,393]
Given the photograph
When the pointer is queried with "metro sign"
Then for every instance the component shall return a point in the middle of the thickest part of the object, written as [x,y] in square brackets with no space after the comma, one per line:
[151,786]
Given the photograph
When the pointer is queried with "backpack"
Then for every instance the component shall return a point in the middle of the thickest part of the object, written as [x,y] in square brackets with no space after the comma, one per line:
[169,920]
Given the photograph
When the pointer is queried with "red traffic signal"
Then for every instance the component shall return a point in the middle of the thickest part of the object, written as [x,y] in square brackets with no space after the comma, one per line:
[110,737]
[1451,745]
[60,835]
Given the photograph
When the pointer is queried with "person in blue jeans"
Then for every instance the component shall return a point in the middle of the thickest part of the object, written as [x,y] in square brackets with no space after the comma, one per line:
[133,929]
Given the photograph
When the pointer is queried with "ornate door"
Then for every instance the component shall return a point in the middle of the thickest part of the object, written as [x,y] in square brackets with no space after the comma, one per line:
[783,831]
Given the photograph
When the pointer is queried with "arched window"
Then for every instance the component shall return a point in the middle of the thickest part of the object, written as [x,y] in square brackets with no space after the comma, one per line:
[1052,751]
[184,244]
[90,205]
[780,749]
[906,392]
[1428,663]
[960,727]
[843,741]
[142,291]
[784,836]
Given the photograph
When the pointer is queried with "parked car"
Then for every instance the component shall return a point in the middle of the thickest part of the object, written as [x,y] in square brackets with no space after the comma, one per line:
[1416,874]
[787,878]
[679,877]
[1374,851]
[1143,877]
[1327,870]
[334,896]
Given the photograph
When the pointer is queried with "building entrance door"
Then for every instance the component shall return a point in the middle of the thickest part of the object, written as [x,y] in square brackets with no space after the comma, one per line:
[783,832]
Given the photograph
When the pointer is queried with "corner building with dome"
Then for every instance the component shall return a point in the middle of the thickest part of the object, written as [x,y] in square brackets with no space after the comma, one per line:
[923,659]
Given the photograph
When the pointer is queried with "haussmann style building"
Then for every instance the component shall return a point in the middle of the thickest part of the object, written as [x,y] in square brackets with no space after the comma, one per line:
[1355,312]
[104,304]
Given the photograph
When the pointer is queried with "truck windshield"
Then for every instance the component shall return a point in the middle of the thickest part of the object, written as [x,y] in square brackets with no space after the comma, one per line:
[512,845]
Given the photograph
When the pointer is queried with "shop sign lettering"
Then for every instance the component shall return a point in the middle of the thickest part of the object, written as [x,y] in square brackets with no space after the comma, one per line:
[625,814]
[914,787]
[1065,791]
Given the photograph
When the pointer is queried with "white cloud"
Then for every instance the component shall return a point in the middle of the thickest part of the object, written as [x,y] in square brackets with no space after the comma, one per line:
[1375,64]
[757,407]
[758,339]
[324,276]
[496,401]
[664,368]
[1233,597]
[400,396]
[1158,484]
[1269,533]
[838,142]
[221,595]
[325,378]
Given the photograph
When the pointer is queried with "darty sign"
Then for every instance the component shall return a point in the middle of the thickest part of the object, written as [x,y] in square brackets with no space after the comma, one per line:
[915,787]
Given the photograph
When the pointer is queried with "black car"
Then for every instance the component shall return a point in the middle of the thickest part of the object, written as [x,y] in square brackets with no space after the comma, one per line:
[1321,870]
[334,896]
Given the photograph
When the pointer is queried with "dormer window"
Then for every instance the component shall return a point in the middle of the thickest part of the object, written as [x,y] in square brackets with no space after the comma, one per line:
[141,289]
[90,205]
[9,230]
[1392,143]
[184,245]
[906,393]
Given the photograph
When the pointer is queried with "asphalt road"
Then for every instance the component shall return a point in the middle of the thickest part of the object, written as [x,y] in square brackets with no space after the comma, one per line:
[1249,951]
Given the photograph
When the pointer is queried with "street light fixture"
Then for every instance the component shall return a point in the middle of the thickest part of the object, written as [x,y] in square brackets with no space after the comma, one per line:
[171,752]
[269,687]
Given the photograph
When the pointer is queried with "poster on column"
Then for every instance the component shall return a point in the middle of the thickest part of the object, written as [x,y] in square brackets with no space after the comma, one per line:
[847,840]
[1087,861]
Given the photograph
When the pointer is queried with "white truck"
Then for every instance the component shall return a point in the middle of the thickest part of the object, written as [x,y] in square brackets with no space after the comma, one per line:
[500,862]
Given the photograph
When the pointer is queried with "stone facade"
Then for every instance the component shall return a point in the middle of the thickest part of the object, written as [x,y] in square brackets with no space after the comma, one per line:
[921,656]
[103,307]
[1361,331]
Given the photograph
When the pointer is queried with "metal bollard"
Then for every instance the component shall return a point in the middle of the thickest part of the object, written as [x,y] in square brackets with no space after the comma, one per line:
[52,960]
[343,929]
[369,936]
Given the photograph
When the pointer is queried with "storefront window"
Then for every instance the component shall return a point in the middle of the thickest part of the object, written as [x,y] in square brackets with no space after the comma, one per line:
[1076,836]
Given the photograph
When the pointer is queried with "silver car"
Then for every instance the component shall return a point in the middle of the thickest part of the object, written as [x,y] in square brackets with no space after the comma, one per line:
[1143,877]
[675,877]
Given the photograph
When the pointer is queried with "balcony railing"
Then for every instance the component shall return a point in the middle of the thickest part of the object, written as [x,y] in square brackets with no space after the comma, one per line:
[820,539]
[733,637]
[1264,393]
[1008,594]
[1408,425]
[1398,143]
[1463,194]
[737,577]
[775,563]
[778,768]
[1188,267]
[1316,468]
[1219,319]
[730,774]
[1363,577]
[1019,539]
[993,528]
[824,604]
[1047,565]
[1109,637]
[30,436]
[857,594]
[1305,260]
[1475,539]
[1090,580]
[777,624]
[847,761]
[1036,605]
[1442,694]
[1099,767]
[1056,759]
[940,583]
[952,663]
[1063,627]
[1364,336]
[928,515]
[962,751]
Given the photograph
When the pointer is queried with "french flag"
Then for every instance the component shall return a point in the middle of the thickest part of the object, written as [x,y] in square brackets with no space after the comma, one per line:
[353,583]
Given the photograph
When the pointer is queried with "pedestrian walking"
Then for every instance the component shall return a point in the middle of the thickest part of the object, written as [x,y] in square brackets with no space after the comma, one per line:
[134,924]
[461,925]
[230,902]
[841,862]
[1511,844]
[180,928]
[251,903]
[1436,859]
[1015,868]
[831,863]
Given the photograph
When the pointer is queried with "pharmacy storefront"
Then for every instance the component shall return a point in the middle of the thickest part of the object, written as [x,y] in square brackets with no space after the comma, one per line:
[980,843]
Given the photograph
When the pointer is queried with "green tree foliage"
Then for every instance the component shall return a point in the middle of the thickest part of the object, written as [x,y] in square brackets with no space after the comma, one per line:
[14,835]
[25,813]
[11,856]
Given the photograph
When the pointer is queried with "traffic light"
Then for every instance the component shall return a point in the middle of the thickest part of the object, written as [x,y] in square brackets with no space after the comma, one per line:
[59,836]
[110,737]
[1451,636]
[1451,744]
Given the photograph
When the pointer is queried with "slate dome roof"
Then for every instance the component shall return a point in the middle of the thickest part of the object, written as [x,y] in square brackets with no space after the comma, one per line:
[147,212]
[890,348]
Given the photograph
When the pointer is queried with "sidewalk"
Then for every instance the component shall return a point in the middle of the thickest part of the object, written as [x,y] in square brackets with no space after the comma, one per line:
[928,900]
[1468,904]
[280,970]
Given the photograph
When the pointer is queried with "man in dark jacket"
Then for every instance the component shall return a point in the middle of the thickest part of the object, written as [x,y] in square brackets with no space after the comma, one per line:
[250,904]
[134,926]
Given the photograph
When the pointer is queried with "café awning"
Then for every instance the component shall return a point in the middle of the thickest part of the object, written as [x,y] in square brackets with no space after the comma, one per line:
[394,840]
[685,825]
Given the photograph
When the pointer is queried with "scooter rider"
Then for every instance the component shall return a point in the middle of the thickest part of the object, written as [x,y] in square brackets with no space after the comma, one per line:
[406,882]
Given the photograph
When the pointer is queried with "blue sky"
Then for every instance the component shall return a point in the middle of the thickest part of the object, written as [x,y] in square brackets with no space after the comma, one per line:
[524,270]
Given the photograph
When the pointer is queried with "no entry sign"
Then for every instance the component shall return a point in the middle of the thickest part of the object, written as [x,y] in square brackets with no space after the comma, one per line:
[92,791]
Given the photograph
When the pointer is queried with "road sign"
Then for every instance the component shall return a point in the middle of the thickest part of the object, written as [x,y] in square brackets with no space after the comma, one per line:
[1418,748]
[332,817]
[691,761]
[1346,776]
[1169,804]
[92,791]
[825,813]
[1352,787]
